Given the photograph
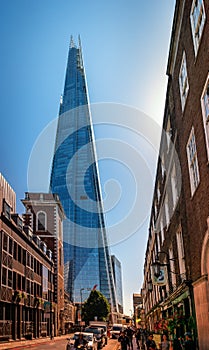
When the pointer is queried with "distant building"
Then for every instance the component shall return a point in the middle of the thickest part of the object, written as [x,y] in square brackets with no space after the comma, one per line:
[117,275]
[138,307]
[26,275]
[46,214]
[176,265]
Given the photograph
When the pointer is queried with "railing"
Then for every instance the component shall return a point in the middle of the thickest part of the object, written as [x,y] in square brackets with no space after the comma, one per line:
[5,329]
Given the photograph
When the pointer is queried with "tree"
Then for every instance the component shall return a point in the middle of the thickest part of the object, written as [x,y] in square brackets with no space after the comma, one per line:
[95,306]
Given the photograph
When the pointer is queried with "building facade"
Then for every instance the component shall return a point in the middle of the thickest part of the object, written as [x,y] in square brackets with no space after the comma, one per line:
[27,308]
[176,287]
[45,215]
[117,275]
[75,178]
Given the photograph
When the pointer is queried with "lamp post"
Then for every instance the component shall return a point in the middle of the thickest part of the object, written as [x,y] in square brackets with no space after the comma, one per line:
[81,290]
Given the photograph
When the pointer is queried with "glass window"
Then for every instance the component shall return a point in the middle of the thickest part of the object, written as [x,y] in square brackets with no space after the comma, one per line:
[5,242]
[180,249]
[9,278]
[193,162]
[19,254]
[7,210]
[15,251]
[167,216]
[4,276]
[197,18]
[41,221]
[10,246]
[183,81]
[174,185]
[205,112]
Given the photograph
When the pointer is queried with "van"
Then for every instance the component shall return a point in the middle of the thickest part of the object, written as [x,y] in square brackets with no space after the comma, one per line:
[117,328]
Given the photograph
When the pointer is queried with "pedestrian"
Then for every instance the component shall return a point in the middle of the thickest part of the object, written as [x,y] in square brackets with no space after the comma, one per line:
[150,343]
[130,333]
[52,332]
[80,341]
[189,343]
[124,341]
[165,344]
[138,337]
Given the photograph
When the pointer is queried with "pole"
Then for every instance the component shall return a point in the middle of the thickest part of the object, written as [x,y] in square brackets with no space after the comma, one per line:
[81,306]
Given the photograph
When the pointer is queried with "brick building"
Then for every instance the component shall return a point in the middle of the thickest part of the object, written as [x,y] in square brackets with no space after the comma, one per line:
[45,214]
[178,242]
[26,275]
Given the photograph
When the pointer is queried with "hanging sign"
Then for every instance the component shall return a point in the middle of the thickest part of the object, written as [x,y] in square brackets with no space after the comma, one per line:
[162,278]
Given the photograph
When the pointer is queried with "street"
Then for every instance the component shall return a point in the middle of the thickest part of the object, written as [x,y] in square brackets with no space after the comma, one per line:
[61,345]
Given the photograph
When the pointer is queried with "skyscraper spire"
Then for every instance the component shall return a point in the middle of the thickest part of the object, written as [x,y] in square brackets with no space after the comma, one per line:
[72,44]
[75,179]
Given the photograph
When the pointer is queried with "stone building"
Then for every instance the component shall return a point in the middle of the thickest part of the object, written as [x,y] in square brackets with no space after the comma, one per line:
[45,214]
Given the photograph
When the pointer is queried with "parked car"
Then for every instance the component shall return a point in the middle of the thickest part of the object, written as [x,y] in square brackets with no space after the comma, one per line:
[99,334]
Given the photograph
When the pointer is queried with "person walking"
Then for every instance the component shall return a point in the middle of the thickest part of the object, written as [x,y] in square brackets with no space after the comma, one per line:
[150,343]
[138,337]
[130,333]
[188,343]
[124,341]
[165,344]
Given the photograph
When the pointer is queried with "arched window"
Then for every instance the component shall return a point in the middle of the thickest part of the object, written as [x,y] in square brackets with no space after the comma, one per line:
[41,221]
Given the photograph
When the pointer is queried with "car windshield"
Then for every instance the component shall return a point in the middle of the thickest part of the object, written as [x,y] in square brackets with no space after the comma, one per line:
[87,337]
[93,330]
[116,328]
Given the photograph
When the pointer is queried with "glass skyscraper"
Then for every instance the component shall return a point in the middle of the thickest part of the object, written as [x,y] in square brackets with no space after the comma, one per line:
[75,178]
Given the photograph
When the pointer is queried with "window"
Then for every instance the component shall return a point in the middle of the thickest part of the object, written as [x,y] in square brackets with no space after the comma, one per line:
[180,249]
[162,231]
[162,165]
[168,133]
[193,162]
[5,242]
[197,18]
[167,216]
[183,81]
[7,210]
[41,221]
[205,112]
[172,265]
[174,186]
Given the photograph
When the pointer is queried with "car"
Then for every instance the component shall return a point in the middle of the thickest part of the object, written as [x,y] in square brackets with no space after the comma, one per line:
[99,334]
[89,337]
[94,324]
[117,328]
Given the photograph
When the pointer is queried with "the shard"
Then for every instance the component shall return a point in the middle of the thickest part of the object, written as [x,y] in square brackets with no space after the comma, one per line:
[75,178]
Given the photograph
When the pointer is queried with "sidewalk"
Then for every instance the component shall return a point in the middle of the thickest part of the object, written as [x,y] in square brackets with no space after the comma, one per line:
[18,344]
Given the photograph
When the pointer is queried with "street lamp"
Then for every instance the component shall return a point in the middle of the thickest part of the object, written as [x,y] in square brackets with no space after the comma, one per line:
[81,290]
[157,264]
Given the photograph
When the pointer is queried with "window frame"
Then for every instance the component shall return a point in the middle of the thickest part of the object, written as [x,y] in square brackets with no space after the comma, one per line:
[37,221]
[200,23]
[205,114]
[183,82]
[193,173]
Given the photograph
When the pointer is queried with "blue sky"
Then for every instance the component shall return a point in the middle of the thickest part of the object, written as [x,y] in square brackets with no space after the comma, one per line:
[125,48]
